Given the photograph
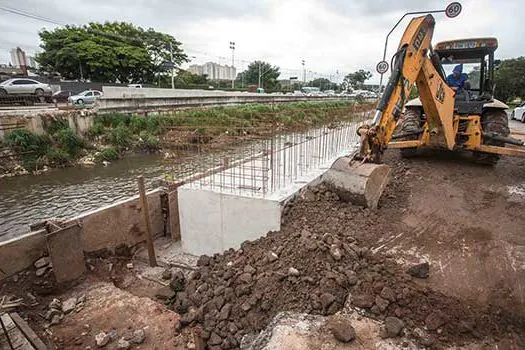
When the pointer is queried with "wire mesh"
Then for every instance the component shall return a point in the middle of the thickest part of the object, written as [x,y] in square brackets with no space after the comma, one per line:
[258,163]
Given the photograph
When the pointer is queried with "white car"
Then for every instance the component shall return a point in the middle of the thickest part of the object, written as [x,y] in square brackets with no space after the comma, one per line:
[519,113]
[23,86]
[85,97]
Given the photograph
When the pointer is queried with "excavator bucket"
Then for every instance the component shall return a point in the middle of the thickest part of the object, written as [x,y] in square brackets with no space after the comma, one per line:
[356,182]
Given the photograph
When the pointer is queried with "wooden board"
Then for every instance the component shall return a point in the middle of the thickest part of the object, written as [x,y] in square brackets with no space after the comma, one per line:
[17,338]
[65,249]
[28,332]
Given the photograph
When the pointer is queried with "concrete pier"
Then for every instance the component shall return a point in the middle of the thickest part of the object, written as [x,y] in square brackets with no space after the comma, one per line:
[243,202]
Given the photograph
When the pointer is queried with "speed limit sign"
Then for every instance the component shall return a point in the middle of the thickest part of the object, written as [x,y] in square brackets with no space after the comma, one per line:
[453,9]
[382,67]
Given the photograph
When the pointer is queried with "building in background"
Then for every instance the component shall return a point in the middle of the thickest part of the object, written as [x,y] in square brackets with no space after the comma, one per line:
[18,58]
[31,62]
[214,71]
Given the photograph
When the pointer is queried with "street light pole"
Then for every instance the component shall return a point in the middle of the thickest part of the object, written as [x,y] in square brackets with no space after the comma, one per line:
[172,68]
[232,47]
[304,72]
[259,83]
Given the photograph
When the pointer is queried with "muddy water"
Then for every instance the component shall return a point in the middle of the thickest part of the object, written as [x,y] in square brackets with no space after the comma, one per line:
[63,193]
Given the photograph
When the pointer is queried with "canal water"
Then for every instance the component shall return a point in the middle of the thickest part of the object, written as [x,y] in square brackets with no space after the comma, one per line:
[64,193]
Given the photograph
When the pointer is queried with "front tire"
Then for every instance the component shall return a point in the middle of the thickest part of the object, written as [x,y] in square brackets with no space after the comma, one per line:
[411,122]
[492,120]
[39,92]
[80,101]
[3,92]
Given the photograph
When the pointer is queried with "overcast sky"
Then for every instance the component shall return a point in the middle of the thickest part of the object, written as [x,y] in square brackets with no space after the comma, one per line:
[330,35]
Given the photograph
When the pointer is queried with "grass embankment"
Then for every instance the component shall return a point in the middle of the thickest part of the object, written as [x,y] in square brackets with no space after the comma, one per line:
[113,135]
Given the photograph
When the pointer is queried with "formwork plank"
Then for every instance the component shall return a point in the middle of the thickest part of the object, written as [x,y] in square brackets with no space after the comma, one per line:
[67,255]
[28,332]
[18,340]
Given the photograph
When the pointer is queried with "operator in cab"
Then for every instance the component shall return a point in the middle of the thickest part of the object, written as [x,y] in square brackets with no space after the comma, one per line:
[458,80]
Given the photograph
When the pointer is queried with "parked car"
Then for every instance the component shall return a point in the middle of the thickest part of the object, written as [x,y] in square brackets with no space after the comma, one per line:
[135,86]
[23,86]
[85,97]
[518,113]
[61,96]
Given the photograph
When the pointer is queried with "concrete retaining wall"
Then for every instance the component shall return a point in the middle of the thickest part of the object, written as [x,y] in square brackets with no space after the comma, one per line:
[78,121]
[214,222]
[107,227]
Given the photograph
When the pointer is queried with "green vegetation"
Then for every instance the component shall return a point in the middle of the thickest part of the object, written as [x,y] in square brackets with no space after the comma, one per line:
[108,52]
[114,134]
[109,153]
[509,78]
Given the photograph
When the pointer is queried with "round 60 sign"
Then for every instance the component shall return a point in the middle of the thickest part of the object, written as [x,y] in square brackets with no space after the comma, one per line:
[453,9]
[382,67]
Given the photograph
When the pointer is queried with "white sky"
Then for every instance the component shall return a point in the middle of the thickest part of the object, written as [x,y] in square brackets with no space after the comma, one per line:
[331,35]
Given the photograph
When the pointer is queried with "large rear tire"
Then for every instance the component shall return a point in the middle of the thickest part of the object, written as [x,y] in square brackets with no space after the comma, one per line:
[493,120]
[411,122]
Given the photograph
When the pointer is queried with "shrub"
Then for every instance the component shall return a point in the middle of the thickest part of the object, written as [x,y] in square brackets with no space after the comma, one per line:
[108,153]
[69,141]
[121,136]
[22,140]
[148,141]
[96,129]
[57,156]
[55,124]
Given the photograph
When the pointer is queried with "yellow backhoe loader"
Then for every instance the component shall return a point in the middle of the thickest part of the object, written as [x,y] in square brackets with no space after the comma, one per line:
[443,117]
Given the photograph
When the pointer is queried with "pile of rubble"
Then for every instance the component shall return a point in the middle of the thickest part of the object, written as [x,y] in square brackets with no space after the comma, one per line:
[317,269]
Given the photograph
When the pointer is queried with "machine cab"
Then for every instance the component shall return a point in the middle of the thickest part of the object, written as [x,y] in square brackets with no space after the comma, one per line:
[477,57]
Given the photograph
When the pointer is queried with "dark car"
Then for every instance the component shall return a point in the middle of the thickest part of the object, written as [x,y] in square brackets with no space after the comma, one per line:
[61,96]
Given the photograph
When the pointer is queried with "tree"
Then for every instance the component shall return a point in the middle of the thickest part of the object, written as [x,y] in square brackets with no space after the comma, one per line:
[510,79]
[187,78]
[109,52]
[356,79]
[269,75]
[323,84]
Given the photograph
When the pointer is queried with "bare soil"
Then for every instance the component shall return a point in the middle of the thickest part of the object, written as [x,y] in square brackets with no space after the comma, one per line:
[466,220]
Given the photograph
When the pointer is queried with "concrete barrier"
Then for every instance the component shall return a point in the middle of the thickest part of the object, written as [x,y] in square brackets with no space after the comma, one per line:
[104,228]
[130,100]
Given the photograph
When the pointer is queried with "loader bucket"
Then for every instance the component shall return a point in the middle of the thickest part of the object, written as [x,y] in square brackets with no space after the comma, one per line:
[356,182]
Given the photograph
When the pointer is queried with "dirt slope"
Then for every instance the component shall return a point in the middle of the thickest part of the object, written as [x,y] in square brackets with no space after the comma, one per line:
[465,219]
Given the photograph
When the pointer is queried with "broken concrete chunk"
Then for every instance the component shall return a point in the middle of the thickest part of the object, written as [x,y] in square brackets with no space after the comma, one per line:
[292,271]
[41,271]
[138,336]
[272,256]
[69,305]
[55,320]
[129,265]
[44,261]
[102,339]
[55,304]
[123,344]
[335,252]
[249,269]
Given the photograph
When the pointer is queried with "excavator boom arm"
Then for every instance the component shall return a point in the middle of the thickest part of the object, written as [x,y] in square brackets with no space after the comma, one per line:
[412,65]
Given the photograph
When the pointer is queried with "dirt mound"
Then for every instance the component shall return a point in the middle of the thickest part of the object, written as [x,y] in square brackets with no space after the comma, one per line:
[315,265]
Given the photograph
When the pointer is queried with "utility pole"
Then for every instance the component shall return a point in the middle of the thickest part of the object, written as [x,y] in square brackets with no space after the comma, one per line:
[304,72]
[172,68]
[259,83]
[232,47]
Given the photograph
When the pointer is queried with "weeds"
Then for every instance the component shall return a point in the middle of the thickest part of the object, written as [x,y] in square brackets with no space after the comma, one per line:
[109,154]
